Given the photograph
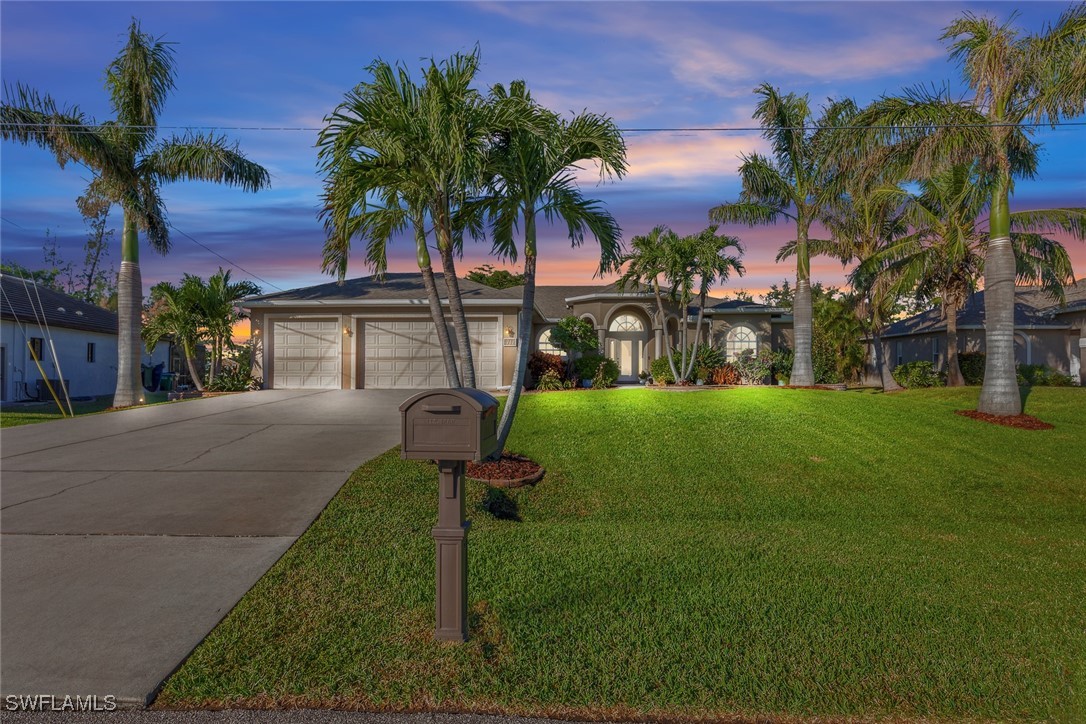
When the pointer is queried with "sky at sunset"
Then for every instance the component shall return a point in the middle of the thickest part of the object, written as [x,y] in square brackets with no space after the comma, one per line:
[286,65]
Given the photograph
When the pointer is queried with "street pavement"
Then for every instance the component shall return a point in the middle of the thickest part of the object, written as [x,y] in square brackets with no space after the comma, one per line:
[126,537]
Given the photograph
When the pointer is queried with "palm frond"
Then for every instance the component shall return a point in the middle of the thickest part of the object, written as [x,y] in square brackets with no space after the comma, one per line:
[203,158]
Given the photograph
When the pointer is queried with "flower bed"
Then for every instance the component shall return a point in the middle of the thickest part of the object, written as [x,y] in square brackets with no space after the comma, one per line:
[509,471]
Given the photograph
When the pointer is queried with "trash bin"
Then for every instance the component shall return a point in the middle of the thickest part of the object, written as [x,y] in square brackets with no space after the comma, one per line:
[167,382]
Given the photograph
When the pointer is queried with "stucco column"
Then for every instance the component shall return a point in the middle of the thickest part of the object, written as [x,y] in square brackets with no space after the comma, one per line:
[659,339]
[602,332]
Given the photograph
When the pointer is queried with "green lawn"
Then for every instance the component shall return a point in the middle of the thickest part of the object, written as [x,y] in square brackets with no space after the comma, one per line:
[745,551]
[14,415]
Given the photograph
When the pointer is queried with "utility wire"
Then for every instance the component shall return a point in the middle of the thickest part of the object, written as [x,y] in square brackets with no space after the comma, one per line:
[93,128]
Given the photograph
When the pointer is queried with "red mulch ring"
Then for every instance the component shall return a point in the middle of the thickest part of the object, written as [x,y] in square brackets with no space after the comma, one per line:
[1022,422]
[509,471]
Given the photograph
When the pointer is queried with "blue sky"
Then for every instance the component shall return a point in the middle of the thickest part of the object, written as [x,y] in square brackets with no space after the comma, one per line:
[287,65]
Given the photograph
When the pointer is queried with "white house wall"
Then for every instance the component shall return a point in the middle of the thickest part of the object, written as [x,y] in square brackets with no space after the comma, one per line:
[86,378]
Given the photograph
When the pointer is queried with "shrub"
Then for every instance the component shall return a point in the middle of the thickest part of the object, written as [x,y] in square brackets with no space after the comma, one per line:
[574,334]
[704,374]
[972,367]
[781,363]
[705,356]
[1041,376]
[233,380]
[920,373]
[661,371]
[540,363]
[606,374]
[725,374]
[588,365]
[752,368]
[550,381]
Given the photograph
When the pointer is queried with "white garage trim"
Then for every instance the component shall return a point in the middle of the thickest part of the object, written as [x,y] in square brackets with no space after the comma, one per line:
[304,352]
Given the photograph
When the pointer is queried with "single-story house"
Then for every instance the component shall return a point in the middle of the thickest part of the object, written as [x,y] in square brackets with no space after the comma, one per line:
[378,333]
[84,336]
[1046,332]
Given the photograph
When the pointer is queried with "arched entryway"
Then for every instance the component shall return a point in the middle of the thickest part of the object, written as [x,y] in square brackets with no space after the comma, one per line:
[627,335]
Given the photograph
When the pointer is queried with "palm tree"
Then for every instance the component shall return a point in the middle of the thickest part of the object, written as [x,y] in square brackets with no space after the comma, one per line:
[797,184]
[176,312]
[130,164]
[220,312]
[944,255]
[531,169]
[690,265]
[377,184]
[1017,79]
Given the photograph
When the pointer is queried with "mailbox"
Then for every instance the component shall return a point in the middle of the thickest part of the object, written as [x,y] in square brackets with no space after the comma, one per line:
[452,424]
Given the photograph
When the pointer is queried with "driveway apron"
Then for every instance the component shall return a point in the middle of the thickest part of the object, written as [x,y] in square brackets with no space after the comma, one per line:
[126,537]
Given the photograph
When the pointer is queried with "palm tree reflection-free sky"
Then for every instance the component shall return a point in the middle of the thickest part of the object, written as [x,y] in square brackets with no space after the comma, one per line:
[279,67]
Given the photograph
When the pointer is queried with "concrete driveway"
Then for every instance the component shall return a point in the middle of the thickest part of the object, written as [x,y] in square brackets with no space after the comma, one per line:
[126,537]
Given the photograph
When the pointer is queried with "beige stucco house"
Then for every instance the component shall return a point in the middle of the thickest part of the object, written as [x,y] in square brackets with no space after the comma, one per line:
[370,333]
[1046,332]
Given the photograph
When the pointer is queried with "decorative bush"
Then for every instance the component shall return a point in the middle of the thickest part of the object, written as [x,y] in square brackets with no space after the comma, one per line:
[588,365]
[781,363]
[1041,376]
[725,374]
[704,374]
[233,380]
[752,368]
[574,334]
[972,367]
[540,363]
[920,373]
[704,356]
[661,371]
[550,381]
[606,374]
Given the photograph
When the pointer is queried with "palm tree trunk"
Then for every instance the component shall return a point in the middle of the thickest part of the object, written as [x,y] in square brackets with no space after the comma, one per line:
[129,306]
[886,378]
[663,322]
[953,369]
[999,395]
[697,332]
[422,256]
[524,331]
[456,304]
[190,361]
[802,314]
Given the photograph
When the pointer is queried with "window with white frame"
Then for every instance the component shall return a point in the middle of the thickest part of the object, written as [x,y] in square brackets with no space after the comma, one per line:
[90,352]
[545,345]
[739,340]
[626,323]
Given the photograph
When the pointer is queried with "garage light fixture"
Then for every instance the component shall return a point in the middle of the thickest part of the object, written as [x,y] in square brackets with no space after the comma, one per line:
[509,333]
[347,330]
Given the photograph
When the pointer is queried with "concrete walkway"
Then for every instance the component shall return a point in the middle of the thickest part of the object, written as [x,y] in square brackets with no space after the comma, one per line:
[126,537]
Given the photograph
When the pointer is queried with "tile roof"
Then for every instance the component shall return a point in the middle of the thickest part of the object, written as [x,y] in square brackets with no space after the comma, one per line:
[400,286]
[21,300]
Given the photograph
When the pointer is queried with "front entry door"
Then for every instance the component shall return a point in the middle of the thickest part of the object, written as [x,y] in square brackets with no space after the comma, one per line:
[627,352]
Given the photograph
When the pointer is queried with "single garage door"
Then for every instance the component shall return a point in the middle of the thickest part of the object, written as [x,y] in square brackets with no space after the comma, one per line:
[405,353]
[306,354]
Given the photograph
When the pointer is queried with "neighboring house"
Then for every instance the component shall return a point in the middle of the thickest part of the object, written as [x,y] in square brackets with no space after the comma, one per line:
[367,333]
[1045,332]
[84,336]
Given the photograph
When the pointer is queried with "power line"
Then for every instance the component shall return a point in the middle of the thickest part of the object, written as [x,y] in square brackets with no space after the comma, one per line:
[92,128]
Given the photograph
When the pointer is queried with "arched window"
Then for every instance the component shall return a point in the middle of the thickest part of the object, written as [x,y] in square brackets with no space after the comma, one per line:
[739,340]
[626,323]
[544,343]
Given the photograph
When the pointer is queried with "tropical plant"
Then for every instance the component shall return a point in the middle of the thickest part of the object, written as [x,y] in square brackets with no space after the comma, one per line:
[726,374]
[797,183]
[549,381]
[1018,80]
[752,368]
[531,177]
[587,367]
[661,369]
[972,367]
[838,352]
[494,278]
[176,312]
[130,165]
[220,311]
[690,265]
[918,374]
[575,335]
[540,363]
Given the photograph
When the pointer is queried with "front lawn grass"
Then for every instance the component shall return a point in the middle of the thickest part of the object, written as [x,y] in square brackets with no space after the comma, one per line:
[28,414]
[746,551]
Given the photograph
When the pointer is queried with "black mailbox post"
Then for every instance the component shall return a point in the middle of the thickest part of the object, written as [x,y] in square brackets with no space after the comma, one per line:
[450,426]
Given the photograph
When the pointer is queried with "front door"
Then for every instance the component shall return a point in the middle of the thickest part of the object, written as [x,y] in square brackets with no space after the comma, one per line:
[627,352]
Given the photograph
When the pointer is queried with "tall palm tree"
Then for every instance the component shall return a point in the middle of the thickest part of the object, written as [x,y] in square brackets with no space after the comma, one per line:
[220,312]
[1017,79]
[944,255]
[796,184]
[710,260]
[130,164]
[531,175]
[377,184]
[649,257]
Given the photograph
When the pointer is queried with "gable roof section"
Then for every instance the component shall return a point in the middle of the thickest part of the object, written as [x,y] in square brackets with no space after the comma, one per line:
[739,306]
[400,287]
[21,300]
[971,316]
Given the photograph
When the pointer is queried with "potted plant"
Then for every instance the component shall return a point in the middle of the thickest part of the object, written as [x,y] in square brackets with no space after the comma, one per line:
[643,376]
[703,375]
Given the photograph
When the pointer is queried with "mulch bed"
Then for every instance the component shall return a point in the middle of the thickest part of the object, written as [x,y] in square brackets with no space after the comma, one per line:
[509,471]
[1022,422]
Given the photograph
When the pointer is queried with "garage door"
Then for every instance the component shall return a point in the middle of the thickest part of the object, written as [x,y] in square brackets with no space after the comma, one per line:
[306,354]
[406,354]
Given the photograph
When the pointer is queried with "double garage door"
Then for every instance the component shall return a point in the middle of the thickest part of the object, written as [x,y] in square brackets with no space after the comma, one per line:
[396,353]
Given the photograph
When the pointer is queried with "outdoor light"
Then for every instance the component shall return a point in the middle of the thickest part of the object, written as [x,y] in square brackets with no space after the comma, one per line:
[510,333]
[347,330]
